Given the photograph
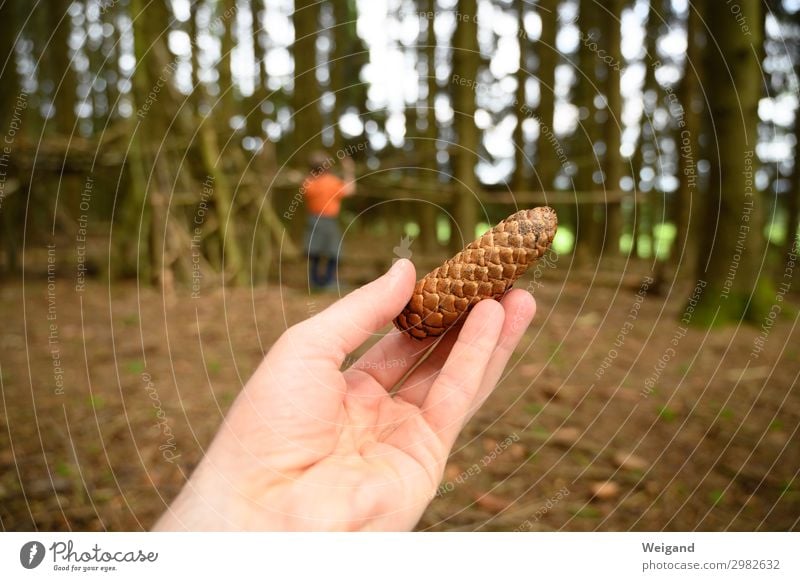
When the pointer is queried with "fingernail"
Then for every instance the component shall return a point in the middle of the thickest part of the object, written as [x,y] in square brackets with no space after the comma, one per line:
[396,271]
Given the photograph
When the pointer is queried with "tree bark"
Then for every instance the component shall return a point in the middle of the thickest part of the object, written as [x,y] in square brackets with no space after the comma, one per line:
[587,134]
[466,64]
[198,88]
[642,219]
[255,116]
[546,153]
[307,134]
[519,178]
[428,149]
[110,69]
[684,251]
[793,203]
[223,204]
[613,166]
[9,206]
[733,247]
[62,74]
[144,218]
[227,90]
[346,62]
[8,63]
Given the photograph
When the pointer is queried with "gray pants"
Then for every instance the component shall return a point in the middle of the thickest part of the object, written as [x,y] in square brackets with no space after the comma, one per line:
[322,237]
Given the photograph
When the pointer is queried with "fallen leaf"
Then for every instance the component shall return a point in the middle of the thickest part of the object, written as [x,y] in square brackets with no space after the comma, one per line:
[517,451]
[491,502]
[629,461]
[489,444]
[606,490]
[451,472]
[562,391]
[565,436]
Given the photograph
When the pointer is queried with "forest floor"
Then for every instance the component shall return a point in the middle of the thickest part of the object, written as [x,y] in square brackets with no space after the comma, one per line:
[609,417]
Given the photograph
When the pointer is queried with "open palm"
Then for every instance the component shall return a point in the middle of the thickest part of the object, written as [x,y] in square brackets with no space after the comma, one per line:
[307,446]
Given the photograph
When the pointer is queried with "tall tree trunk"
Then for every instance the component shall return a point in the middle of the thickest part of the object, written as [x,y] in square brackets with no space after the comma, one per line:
[227,97]
[307,119]
[255,116]
[143,239]
[613,166]
[546,153]
[223,204]
[733,247]
[466,64]
[9,105]
[642,219]
[587,133]
[134,249]
[198,88]
[793,203]
[111,50]
[428,148]
[684,251]
[518,180]
[348,58]
[8,64]
[62,75]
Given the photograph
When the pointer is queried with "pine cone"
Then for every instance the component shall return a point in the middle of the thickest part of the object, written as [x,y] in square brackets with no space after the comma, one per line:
[486,269]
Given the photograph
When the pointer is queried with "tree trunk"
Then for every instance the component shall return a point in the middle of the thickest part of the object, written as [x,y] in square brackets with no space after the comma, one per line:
[307,119]
[223,204]
[135,222]
[62,75]
[642,219]
[428,213]
[613,165]
[546,152]
[110,69]
[198,88]
[227,99]
[255,115]
[519,178]
[684,251]
[733,247]
[8,64]
[587,134]
[793,203]
[10,233]
[144,220]
[466,63]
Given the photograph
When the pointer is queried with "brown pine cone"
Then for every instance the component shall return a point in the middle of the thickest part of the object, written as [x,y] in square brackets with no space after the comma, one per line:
[486,269]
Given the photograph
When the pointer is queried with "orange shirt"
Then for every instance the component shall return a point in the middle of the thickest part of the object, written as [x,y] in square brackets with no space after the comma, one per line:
[324,195]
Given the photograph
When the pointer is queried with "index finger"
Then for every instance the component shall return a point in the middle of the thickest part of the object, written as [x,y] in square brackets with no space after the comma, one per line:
[450,399]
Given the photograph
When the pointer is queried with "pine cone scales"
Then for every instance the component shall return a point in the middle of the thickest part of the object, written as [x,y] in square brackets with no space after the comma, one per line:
[486,269]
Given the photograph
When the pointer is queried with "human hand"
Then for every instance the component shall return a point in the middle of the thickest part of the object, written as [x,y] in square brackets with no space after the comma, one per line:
[309,447]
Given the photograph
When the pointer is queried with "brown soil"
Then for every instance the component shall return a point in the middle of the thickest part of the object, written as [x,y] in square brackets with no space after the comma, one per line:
[710,443]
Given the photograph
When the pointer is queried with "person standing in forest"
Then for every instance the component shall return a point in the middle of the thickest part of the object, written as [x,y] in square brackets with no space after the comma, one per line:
[323,192]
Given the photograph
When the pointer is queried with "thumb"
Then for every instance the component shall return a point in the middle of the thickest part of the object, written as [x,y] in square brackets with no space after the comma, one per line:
[345,325]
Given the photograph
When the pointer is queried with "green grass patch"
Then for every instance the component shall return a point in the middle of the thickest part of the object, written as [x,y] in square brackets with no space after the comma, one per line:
[136,366]
[214,367]
[716,496]
[98,402]
[587,512]
[667,414]
[532,408]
